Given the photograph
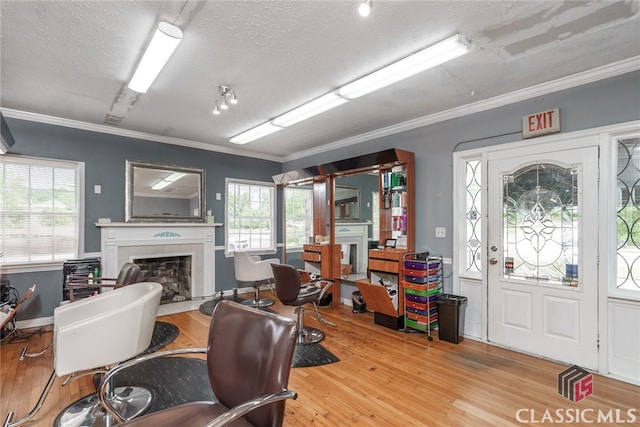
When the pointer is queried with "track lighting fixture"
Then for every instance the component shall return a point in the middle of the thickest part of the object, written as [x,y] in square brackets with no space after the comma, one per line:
[365,8]
[227,96]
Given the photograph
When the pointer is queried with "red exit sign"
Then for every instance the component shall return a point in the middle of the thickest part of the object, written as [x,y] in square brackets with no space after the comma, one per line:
[541,123]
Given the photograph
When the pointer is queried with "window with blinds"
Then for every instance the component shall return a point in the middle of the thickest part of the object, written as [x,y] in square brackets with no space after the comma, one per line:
[250,215]
[39,208]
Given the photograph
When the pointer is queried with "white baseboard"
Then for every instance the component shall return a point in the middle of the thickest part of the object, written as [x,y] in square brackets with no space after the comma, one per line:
[34,323]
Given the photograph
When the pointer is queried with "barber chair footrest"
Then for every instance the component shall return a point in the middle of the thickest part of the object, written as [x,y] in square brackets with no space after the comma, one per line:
[309,335]
[129,402]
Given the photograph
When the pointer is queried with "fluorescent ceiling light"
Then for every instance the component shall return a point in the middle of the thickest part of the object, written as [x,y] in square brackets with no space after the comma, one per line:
[163,43]
[365,8]
[167,180]
[427,58]
[430,57]
[255,133]
[310,109]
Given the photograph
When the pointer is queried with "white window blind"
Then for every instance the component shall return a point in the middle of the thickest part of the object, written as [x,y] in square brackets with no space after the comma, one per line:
[39,208]
[250,215]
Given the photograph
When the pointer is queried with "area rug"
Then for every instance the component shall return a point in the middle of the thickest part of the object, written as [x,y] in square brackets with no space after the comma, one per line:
[308,355]
[208,306]
[171,380]
[164,333]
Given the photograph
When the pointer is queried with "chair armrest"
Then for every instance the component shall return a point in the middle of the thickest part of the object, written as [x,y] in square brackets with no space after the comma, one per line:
[246,407]
[105,383]
[325,287]
[84,280]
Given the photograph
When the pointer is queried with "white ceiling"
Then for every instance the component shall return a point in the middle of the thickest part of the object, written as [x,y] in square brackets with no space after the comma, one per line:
[72,60]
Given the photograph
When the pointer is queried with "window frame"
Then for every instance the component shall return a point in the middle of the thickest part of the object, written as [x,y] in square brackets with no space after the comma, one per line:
[273,224]
[79,169]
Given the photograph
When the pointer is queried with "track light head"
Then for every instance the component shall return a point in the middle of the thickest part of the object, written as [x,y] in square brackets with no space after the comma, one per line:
[233,99]
[216,110]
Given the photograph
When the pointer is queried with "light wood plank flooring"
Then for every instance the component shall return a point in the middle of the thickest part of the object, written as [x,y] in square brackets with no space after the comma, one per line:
[384,378]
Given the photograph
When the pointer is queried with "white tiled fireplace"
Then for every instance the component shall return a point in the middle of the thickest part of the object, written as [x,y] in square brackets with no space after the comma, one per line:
[123,242]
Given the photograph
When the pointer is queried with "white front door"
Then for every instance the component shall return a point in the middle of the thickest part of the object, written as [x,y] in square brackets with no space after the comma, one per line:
[542,242]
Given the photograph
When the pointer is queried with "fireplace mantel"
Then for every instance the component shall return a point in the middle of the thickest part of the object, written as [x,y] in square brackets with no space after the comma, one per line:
[122,242]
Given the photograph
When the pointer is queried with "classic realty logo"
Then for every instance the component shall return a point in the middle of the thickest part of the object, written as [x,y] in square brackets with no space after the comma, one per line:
[575,383]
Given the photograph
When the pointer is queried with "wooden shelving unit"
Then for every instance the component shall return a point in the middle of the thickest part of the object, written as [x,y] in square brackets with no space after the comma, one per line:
[324,260]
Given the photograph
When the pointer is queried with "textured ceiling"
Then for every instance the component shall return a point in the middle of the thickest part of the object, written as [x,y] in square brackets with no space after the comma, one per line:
[72,60]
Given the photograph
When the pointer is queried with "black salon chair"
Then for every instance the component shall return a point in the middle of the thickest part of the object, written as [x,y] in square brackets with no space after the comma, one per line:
[291,291]
[128,275]
[249,358]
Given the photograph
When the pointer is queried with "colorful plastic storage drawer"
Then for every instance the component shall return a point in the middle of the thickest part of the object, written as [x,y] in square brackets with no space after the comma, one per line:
[412,279]
[419,287]
[417,325]
[416,273]
[420,299]
[415,265]
[433,311]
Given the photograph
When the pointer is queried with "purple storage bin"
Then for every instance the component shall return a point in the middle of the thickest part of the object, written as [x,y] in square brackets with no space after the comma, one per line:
[417,298]
[415,265]
[434,264]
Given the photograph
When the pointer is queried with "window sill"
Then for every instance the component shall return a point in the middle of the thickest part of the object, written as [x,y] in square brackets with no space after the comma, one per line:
[31,267]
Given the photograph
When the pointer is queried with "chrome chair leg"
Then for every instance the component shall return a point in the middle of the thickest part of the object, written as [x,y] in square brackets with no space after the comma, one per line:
[319,317]
[43,396]
[258,302]
[306,334]
[24,353]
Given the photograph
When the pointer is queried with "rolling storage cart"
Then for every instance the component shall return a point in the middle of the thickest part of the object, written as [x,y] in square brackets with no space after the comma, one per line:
[422,283]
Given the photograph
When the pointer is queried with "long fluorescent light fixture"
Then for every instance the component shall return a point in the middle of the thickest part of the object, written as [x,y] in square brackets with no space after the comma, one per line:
[310,109]
[163,44]
[420,61]
[257,132]
[167,180]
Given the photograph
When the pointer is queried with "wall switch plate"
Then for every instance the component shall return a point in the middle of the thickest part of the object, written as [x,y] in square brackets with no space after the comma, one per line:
[441,232]
[218,196]
[97,189]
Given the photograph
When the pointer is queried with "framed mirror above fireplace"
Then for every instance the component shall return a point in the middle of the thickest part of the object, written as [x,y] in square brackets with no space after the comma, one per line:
[164,193]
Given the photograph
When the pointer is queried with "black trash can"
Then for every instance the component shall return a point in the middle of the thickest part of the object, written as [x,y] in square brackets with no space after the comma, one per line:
[451,317]
[357,301]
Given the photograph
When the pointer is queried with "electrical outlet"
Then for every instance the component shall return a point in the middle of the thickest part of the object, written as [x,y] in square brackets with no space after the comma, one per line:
[441,232]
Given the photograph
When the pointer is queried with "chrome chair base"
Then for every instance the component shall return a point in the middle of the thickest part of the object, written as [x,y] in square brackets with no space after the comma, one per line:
[262,302]
[308,335]
[129,402]
[258,302]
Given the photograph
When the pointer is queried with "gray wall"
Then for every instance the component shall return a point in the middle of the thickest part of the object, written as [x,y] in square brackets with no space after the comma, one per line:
[615,100]
[606,102]
[104,156]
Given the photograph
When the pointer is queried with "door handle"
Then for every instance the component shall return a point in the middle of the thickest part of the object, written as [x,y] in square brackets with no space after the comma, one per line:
[493,261]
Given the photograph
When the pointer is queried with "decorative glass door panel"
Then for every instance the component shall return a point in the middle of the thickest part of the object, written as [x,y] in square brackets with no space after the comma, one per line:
[540,225]
[542,247]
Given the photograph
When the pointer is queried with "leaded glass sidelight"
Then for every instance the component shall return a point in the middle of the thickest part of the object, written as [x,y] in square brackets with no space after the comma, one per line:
[628,215]
[540,224]
[473,222]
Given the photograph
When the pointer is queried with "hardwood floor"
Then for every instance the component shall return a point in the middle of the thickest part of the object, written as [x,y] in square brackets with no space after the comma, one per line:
[384,378]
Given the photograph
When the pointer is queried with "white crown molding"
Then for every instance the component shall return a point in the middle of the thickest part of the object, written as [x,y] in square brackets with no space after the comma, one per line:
[585,77]
[75,124]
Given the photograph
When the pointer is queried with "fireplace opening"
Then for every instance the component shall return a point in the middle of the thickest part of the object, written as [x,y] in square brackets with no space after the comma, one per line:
[172,272]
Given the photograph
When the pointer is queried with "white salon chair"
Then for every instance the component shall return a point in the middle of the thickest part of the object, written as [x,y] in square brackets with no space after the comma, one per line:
[250,268]
[97,333]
